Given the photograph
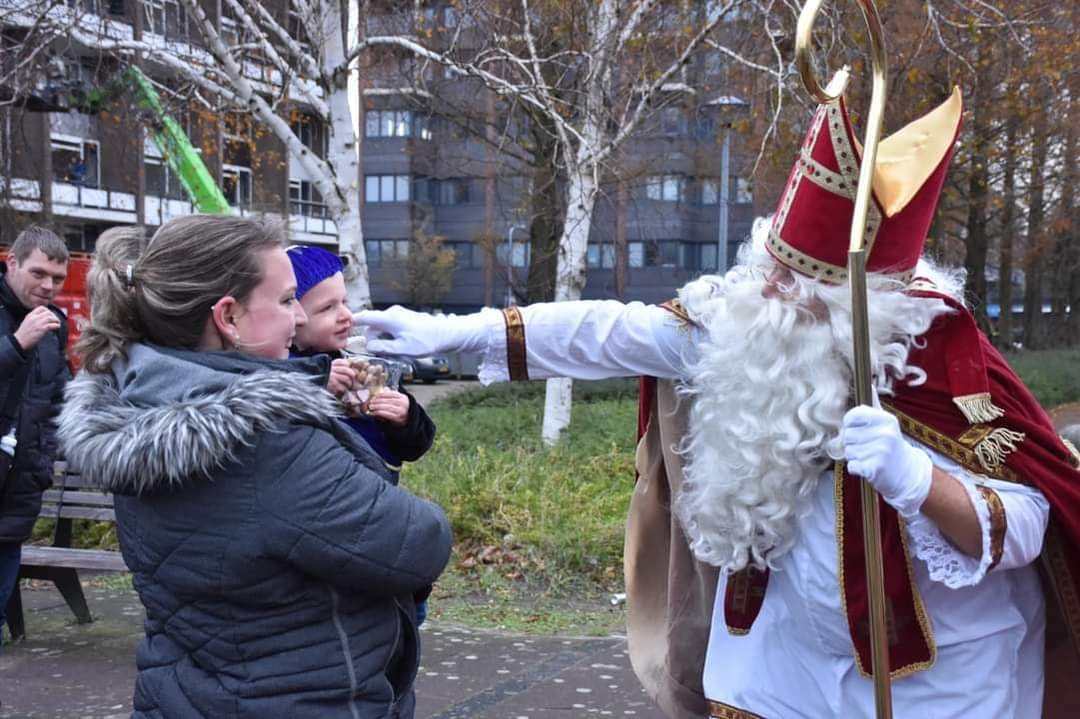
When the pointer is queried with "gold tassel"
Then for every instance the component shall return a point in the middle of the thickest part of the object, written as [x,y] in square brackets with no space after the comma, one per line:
[997,445]
[978,408]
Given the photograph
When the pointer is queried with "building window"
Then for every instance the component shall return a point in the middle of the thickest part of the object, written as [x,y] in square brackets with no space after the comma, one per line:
[710,191]
[673,122]
[520,257]
[309,132]
[447,191]
[236,184]
[665,188]
[635,254]
[467,255]
[662,253]
[714,63]
[76,160]
[374,256]
[742,190]
[166,18]
[382,253]
[386,188]
[161,180]
[304,199]
[460,17]
[396,123]
[708,257]
[707,128]
[600,256]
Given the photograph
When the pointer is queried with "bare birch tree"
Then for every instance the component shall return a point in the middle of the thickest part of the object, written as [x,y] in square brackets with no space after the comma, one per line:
[593,90]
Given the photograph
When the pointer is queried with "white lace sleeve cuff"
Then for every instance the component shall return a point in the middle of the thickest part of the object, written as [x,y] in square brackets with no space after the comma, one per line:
[494,366]
[945,562]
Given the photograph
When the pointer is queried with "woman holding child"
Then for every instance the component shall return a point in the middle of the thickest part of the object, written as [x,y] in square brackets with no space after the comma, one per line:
[276,561]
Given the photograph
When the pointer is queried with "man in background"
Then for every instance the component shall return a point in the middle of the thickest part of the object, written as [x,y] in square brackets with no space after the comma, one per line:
[33,371]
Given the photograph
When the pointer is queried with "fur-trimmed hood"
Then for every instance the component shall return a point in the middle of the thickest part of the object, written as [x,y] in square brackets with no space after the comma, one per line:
[165,416]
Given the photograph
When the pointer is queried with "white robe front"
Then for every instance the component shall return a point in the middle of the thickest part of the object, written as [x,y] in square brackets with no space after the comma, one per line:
[798,659]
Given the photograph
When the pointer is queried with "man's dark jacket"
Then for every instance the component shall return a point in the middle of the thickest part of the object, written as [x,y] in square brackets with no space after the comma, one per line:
[39,375]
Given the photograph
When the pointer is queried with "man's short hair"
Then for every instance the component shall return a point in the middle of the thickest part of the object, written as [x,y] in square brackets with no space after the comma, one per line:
[36,237]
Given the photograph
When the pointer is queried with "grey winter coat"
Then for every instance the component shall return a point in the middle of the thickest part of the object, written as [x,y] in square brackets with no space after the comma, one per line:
[38,375]
[275,563]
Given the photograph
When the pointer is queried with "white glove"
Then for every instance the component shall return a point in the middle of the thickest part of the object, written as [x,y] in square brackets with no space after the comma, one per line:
[876,450]
[416,334]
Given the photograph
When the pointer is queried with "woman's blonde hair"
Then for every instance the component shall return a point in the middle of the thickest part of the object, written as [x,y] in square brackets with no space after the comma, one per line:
[163,291]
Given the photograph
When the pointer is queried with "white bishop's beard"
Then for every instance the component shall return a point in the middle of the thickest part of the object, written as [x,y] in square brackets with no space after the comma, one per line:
[769,389]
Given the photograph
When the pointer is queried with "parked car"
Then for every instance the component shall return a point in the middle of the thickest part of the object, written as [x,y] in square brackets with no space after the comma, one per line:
[428,369]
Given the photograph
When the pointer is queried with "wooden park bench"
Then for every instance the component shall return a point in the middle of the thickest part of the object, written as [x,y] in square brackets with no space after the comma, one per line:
[69,498]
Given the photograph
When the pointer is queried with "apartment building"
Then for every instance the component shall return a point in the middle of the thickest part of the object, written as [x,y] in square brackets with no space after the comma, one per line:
[676,207]
[83,173]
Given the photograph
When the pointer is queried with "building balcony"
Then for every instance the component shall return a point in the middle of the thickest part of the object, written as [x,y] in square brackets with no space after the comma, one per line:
[75,201]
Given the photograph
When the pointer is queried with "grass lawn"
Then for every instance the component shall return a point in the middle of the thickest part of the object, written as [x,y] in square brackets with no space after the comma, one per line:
[1053,376]
[538,531]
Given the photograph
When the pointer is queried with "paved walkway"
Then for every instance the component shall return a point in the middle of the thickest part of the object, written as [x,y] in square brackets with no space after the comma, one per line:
[427,393]
[69,671]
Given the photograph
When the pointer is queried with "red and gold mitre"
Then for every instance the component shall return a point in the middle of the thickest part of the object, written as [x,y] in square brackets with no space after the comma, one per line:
[810,230]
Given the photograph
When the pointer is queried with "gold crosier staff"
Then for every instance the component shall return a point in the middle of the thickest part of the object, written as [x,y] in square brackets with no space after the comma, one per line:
[860,323]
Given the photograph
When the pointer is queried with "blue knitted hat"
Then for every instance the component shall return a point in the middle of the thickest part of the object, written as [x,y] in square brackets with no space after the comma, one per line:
[312,265]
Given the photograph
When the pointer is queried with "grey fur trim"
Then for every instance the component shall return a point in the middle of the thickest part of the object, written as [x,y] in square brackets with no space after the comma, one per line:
[131,449]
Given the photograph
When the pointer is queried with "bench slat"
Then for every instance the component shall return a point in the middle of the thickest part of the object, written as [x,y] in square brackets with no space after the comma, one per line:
[69,496]
[72,481]
[49,511]
[99,559]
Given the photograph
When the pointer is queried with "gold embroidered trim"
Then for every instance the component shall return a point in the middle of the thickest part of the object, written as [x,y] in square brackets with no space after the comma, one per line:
[719,710]
[920,614]
[1053,557]
[737,631]
[849,169]
[973,435]
[920,609]
[675,307]
[824,271]
[921,284]
[978,408]
[999,524]
[804,263]
[951,448]
[825,178]
[515,344]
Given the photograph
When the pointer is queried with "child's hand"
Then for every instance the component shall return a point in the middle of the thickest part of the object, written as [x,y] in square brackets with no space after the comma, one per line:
[342,377]
[390,406]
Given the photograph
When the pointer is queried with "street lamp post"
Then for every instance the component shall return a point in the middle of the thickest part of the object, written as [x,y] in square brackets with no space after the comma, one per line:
[730,109]
[510,262]
[725,180]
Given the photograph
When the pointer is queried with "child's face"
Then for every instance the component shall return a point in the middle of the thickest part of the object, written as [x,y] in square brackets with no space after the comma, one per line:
[329,319]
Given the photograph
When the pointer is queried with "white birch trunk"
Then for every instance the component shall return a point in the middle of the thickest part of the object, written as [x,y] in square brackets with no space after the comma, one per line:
[569,282]
[580,202]
[343,157]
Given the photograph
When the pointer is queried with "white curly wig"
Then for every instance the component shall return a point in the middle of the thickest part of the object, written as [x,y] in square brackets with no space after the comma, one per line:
[770,383]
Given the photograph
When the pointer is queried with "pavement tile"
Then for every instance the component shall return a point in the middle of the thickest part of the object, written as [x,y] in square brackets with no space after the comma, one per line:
[69,671]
